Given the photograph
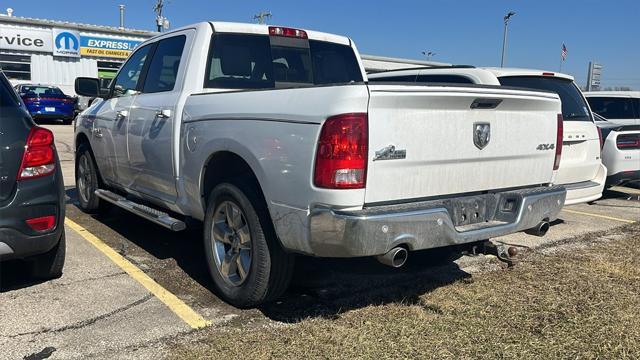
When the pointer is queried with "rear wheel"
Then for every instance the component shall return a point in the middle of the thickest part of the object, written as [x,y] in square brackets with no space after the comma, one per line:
[50,264]
[246,262]
[87,180]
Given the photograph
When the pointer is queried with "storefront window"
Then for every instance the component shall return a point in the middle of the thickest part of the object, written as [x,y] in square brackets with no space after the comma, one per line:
[16,67]
[107,70]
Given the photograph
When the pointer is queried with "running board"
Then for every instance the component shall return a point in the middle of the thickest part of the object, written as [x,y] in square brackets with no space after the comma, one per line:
[149,213]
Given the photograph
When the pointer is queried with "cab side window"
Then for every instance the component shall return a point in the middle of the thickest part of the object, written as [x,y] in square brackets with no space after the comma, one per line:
[126,82]
[163,69]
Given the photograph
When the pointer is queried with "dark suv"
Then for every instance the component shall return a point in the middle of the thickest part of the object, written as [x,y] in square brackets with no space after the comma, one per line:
[31,190]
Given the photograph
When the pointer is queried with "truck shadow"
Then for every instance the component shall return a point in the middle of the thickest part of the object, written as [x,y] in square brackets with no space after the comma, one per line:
[320,287]
[328,287]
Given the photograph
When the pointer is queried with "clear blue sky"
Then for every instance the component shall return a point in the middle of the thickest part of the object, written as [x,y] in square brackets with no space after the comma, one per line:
[461,32]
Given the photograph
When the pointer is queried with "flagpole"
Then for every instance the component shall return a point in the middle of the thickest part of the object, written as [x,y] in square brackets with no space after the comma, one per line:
[562,55]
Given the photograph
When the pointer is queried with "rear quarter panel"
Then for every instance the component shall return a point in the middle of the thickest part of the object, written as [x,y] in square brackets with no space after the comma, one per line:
[276,132]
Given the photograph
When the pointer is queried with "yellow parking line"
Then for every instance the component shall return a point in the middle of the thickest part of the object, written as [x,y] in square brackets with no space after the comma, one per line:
[173,303]
[600,216]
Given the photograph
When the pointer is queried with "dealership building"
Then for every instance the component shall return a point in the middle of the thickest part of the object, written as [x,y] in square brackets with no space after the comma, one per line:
[55,53]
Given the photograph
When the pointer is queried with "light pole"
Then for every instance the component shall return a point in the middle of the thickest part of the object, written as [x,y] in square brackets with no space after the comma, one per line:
[504,39]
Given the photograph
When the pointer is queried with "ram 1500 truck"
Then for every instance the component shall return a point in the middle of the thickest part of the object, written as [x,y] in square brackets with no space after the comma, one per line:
[273,139]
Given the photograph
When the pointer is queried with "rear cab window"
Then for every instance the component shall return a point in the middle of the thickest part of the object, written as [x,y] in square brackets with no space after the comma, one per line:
[246,61]
[574,106]
[613,107]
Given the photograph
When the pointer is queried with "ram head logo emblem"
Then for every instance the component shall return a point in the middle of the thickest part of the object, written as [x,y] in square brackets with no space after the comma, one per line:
[481,134]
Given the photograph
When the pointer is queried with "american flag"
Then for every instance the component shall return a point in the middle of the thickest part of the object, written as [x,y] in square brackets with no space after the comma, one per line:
[564,52]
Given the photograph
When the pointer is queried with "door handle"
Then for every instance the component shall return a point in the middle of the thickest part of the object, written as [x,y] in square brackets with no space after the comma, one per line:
[163,114]
[97,132]
[120,115]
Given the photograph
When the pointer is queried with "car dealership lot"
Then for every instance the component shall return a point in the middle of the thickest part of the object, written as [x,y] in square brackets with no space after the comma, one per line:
[98,308]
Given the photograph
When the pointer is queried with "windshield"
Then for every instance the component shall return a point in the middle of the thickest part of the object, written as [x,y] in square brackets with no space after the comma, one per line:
[574,107]
[612,107]
[41,91]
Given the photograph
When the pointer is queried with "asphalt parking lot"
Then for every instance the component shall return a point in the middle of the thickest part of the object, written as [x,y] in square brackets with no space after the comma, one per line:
[129,286]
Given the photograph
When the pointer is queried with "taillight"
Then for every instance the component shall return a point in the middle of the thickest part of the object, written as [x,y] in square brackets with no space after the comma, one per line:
[548,74]
[39,156]
[559,135]
[287,32]
[600,138]
[42,224]
[341,158]
[628,141]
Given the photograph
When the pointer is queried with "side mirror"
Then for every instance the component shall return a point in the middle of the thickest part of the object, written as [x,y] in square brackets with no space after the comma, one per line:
[89,87]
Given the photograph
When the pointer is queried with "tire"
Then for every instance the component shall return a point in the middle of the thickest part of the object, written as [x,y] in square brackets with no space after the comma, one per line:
[270,268]
[87,180]
[50,264]
[67,121]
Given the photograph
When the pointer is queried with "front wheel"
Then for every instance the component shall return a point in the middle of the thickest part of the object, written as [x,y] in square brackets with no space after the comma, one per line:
[246,262]
[87,180]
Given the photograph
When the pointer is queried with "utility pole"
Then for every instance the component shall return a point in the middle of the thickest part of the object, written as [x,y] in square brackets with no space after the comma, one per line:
[504,39]
[262,17]
[161,21]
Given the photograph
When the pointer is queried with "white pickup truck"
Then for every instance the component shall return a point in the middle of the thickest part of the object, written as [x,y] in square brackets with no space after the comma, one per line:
[273,138]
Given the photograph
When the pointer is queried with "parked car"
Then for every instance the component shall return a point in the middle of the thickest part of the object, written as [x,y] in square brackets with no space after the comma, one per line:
[620,152]
[271,137]
[47,102]
[31,190]
[581,170]
[620,107]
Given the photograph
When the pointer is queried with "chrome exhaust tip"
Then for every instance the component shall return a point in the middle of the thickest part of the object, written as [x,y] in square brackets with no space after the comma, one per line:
[395,258]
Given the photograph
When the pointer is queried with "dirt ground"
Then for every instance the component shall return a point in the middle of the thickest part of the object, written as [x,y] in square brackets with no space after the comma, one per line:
[576,300]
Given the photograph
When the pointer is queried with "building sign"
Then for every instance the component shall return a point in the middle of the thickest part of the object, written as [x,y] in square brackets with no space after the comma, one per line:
[593,76]
[106,47]
[25,39]
[66,43]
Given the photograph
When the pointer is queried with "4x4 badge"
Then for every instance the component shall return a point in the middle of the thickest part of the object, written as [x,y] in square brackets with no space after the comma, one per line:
[481,134]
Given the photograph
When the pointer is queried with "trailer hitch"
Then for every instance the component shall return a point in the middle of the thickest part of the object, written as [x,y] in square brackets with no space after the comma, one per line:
[503,252]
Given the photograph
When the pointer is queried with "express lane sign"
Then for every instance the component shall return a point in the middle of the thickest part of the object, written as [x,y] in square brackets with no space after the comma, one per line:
[106,47]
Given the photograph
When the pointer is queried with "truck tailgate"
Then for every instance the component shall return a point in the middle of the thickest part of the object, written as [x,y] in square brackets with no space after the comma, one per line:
[421,140]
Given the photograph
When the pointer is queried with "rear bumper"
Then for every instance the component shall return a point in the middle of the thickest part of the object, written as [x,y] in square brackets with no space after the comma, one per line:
[587,191]
[32,198]
[426,225]
[624,178]
[60,115]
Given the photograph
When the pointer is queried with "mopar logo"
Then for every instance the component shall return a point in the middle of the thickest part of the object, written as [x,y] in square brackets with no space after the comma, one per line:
[66,40]
[66,43]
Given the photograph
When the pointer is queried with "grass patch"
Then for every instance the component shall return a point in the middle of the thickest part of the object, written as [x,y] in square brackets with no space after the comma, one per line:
[579,304]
